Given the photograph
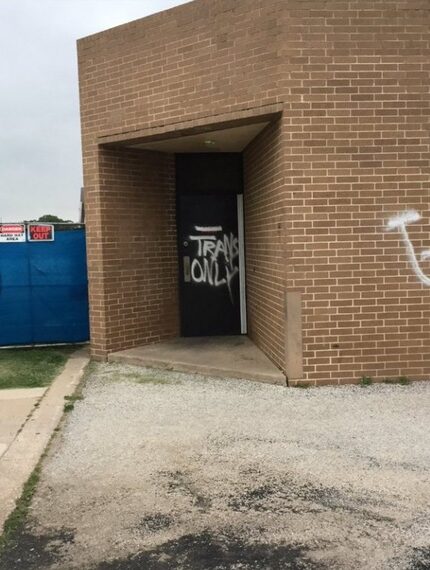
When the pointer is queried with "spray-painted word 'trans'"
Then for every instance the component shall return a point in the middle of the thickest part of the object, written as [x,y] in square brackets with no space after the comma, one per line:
[400,223]
[216,259]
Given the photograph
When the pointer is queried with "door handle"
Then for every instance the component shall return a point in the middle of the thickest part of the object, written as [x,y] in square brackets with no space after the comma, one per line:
[187,269]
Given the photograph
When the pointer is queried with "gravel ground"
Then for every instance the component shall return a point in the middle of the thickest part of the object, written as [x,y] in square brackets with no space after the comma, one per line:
[157,470]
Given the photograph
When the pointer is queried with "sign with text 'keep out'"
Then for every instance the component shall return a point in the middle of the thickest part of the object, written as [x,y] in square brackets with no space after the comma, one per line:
[13,233]
[40,232]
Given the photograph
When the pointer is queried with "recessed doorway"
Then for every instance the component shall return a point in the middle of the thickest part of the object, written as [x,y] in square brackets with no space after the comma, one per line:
[211,244]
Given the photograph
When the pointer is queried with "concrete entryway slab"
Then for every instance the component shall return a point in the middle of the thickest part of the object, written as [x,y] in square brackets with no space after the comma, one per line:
[225,357]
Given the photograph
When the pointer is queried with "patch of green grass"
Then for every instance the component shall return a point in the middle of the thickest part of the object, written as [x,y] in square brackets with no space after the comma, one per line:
[366,381]
[32,367]
[17,517]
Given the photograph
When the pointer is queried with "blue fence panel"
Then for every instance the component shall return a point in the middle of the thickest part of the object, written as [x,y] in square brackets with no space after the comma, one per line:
[52,279]
[15,302]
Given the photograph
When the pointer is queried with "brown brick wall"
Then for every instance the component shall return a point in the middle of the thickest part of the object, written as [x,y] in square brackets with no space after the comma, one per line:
[198,60]
[264,193]
[132,251]
[352,78]
[358,109]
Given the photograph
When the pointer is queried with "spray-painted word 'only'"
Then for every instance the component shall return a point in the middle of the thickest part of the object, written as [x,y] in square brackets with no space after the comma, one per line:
[216,260]
[400,223]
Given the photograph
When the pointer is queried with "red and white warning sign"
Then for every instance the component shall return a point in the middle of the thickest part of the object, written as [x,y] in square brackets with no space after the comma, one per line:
[12,233]
[40,232]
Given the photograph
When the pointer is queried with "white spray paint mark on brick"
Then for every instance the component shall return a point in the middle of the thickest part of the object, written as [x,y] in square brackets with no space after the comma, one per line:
[400,223]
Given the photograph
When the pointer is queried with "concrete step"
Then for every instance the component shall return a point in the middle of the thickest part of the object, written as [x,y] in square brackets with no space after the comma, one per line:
[222,357]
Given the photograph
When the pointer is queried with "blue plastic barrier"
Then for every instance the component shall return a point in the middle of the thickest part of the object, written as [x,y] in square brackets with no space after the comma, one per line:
[44,291]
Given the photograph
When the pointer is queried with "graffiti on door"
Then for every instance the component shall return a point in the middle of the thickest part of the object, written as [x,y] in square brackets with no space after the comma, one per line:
[216,259]
[400,223]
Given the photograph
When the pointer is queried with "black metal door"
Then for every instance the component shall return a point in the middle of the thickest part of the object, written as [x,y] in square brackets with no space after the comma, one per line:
[209,264]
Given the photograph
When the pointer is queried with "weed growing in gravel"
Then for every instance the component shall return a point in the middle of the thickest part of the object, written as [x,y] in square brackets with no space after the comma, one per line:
[74,398]
[366,381]
[140,378]
[70,401]
[16,519]
[302,385]
[402,380]
[154,380]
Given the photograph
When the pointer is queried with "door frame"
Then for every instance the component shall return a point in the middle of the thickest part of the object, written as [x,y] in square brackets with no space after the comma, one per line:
[242,264]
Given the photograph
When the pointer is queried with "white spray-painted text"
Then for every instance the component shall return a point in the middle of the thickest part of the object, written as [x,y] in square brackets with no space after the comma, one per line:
[400,223]
[216,259]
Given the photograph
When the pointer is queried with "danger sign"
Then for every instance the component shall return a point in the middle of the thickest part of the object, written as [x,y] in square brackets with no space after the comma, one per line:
[12,233]
[40,232]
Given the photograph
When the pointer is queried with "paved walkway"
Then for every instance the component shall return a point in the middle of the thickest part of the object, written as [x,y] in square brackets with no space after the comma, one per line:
[15,408]
[28,418]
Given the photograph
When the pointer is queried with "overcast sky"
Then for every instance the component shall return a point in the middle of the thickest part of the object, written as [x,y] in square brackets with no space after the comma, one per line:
[40,147]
